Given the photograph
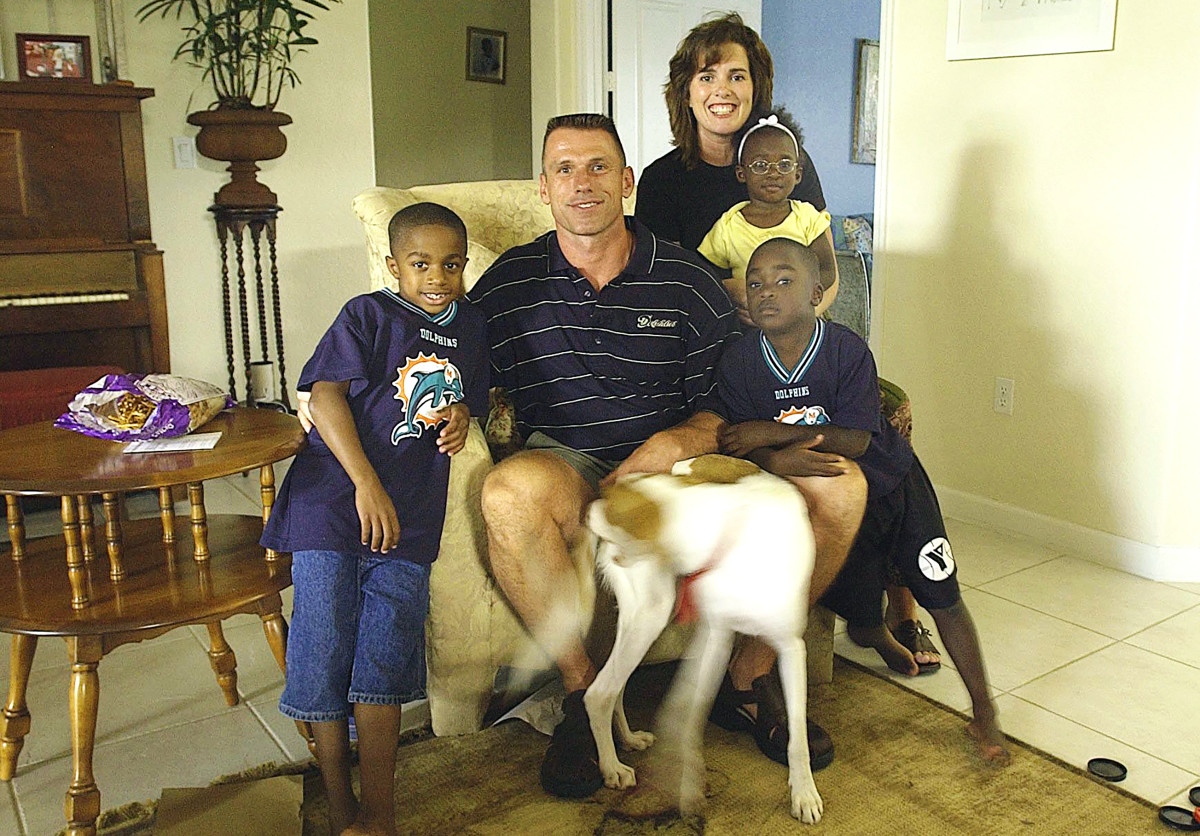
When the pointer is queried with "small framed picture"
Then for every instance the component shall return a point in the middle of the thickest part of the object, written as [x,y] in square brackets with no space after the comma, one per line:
[866,103]
[486,55]
[66,57]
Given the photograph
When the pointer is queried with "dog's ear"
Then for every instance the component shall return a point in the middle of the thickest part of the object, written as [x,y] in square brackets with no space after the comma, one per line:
[632,511]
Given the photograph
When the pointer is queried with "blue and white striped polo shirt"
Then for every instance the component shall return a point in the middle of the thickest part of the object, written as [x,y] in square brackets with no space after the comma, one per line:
[603,371]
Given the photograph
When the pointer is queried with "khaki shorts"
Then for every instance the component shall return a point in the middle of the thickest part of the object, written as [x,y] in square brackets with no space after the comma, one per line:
[589,467]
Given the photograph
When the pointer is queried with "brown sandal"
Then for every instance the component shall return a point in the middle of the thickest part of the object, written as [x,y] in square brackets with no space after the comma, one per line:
[915,637]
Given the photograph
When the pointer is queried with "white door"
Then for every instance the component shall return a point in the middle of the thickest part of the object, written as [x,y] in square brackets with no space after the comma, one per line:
[645,34]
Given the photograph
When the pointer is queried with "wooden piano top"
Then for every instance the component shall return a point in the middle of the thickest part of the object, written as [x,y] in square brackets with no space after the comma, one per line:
[72,162]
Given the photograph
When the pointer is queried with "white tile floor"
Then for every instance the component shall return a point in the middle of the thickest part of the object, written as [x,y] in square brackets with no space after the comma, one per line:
[1085,662]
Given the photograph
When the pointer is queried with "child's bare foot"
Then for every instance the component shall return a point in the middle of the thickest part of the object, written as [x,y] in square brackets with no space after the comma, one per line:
[990,741]
[894,654]
[342,814]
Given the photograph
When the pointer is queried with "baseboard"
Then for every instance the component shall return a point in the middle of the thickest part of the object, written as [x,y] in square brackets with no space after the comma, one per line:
[1175,564]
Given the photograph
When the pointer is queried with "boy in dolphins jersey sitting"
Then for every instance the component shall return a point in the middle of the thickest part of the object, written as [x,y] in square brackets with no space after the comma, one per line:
[800,397]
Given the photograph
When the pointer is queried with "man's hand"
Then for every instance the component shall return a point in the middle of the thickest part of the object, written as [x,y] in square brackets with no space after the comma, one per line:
[379,527]
[302,410]
[739,439]
[800,459]
[453,436]
[656,455]
[694,437]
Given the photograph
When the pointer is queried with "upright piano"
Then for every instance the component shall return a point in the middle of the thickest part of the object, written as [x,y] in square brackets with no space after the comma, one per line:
[81,283]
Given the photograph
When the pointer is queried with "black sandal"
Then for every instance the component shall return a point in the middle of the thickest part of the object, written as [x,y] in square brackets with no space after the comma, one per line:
[729,708]
[769,728]
[915,637]
[571,766]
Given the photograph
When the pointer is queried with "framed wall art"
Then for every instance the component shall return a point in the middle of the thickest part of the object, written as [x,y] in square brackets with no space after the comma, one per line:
[486,55]
[866,103]
[66,57]
[1005,28]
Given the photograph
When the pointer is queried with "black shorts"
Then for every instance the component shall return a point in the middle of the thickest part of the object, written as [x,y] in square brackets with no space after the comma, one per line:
[905,526]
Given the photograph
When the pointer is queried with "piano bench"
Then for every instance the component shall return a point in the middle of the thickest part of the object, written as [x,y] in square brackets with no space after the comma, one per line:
[27,397]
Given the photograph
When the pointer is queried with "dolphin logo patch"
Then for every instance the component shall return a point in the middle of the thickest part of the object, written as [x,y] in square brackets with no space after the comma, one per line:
[423,386]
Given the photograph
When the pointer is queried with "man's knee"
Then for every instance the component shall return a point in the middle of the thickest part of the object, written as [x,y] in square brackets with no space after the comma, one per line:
[529,490]
[835,498]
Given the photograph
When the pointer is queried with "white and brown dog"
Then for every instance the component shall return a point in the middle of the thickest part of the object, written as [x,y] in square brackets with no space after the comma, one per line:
[744,538]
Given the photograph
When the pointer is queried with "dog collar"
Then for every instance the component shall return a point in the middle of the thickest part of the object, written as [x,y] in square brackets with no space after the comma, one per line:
[686,611]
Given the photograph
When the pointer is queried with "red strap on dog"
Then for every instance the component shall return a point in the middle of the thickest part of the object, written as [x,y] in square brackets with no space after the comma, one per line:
[685,598]
[686,611]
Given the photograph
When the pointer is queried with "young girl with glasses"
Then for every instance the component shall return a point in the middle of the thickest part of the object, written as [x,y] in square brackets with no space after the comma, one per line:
[769,163]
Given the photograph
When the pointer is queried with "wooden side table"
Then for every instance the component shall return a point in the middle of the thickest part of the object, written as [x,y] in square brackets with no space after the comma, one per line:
[138,579]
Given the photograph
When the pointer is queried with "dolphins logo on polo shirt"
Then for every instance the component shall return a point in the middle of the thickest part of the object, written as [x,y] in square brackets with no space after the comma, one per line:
[423,386]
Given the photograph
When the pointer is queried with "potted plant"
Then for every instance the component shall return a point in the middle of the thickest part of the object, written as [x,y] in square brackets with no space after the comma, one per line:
[246,49]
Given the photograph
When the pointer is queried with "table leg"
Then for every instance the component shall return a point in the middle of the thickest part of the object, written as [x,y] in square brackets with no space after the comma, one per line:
[14,724]
[266,484]
[113,535]
[270,609]
[224,663]
[199,521]
[16,526]
[86,534]
[75,566]
[82,803]
[166,511]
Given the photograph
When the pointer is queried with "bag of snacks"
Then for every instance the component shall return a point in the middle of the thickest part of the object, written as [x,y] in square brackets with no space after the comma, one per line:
[137,407]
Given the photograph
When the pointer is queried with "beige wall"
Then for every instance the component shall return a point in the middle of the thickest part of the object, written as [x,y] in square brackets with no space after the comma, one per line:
[431,124]
[1038,220]
[322,260]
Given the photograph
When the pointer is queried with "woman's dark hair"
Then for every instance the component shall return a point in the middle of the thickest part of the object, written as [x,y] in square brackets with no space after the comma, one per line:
[700,48]
[785,118]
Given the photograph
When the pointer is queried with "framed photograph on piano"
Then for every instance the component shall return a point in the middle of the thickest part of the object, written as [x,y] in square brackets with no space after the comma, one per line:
[60,57]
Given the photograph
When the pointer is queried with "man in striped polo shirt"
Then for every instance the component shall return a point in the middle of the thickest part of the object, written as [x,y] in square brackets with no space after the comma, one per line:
[607,340]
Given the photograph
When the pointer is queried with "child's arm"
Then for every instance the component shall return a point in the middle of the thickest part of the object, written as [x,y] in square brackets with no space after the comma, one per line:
[799,459]
[453,436]
[823,247]
[380,527]
[741,439]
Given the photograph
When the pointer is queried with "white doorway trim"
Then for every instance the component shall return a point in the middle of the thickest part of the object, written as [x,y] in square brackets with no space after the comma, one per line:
[880,265]
[567,40]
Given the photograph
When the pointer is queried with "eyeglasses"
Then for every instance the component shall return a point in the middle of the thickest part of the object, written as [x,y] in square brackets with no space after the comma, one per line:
[784,166]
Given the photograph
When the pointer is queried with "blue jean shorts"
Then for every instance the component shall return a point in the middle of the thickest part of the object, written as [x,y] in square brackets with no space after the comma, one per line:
[357,634]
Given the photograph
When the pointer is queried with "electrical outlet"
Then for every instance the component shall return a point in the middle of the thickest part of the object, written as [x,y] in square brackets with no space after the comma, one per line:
[185,151]
[1002,397]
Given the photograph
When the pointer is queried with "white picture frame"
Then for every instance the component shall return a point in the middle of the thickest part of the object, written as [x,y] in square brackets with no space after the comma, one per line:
[1007,28]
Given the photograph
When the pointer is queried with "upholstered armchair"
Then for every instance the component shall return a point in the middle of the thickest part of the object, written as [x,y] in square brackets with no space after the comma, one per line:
[472,631]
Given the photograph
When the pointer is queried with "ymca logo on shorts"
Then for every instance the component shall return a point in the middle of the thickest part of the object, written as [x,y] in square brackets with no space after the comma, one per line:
[936,560]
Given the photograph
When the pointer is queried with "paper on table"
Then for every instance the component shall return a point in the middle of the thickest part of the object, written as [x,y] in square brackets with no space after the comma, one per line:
[199,441]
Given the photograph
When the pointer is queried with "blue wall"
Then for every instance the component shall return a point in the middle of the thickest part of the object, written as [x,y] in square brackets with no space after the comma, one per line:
[813,45]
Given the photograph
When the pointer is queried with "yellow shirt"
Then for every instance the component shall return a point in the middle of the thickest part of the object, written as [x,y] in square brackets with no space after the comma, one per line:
[732,239]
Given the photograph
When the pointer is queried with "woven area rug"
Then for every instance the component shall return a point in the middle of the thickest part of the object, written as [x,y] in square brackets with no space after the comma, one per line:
[903,765]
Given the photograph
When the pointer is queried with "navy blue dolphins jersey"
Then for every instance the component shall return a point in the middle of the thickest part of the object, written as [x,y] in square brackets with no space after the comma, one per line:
[833,383]
[403,366]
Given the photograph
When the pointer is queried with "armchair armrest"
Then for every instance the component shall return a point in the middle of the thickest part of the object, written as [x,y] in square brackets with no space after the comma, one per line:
[896,407]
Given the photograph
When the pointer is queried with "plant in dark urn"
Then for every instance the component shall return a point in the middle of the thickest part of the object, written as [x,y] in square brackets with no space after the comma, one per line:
[245,49]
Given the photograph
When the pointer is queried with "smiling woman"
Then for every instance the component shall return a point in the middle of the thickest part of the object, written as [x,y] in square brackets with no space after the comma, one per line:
[720,75]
